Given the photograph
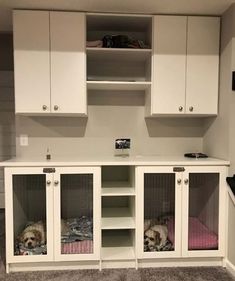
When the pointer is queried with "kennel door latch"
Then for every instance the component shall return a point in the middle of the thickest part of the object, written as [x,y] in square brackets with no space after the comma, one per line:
[178,169]
[48,170]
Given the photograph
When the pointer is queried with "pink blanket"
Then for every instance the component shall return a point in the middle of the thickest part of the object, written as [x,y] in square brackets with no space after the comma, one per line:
[81,247]
[200,237]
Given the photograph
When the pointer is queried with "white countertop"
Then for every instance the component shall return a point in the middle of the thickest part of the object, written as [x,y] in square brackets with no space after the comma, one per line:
[114,160]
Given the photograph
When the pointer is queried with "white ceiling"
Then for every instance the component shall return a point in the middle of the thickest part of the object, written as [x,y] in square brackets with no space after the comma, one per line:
[195,7]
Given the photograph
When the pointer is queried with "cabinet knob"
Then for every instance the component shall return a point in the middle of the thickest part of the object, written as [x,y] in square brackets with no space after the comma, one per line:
[181,108]
[191,108]
[186,181]
[179,181]
[56,107]
[48,182]
[56,182]
[44,107]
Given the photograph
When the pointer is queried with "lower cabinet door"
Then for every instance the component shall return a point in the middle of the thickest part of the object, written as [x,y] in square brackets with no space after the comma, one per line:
[77,213]
[29,215]
[158,212]
[203,212]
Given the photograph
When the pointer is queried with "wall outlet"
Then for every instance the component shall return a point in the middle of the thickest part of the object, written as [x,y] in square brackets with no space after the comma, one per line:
[24,140]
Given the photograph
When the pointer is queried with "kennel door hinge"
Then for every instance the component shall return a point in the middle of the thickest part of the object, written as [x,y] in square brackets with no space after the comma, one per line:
[178,169]
[48,170]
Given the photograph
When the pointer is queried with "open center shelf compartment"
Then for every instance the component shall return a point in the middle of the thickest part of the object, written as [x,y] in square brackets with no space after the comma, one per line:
[118,181]
[118,244]
[118,212]
[119,68]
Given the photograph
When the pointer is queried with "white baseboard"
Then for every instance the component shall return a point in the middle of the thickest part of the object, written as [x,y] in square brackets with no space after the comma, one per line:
[230,267]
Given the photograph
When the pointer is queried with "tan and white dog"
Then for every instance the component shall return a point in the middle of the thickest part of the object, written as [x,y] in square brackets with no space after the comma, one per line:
[155,237]
[33,235]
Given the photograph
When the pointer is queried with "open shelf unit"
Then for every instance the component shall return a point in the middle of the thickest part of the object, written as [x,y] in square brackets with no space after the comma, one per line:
[119,68]
[118,213]
[117,245]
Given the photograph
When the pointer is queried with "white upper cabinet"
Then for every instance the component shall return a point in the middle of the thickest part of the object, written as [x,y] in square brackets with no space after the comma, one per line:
[169,61]
[185,65]
[50,62]
[68,62]
[31,61]
[202,65]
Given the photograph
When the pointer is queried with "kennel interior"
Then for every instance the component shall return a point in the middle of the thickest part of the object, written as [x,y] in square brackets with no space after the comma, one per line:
[203,219]
[29,205]
[159,204]
[203,208]
[77,213]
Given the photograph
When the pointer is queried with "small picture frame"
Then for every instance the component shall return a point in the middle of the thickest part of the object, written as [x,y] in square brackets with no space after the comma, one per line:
[122,147]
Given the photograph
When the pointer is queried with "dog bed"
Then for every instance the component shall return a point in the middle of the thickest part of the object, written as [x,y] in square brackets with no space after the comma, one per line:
[200,237]
[81,247]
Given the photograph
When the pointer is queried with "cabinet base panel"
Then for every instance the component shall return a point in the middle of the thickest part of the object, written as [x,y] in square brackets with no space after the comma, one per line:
[16,267]
[180,262]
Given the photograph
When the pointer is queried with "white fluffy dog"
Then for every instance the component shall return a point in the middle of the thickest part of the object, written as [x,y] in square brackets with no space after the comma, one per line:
[33,235]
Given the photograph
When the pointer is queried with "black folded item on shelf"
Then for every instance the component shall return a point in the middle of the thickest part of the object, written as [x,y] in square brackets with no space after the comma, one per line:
[122,41]
[195,155]
[231,183]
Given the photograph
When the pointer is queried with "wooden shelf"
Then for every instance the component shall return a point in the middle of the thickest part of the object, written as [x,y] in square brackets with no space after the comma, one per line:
[117,253]
[118,85]
[117,218]
[118,223]
[117,188]
[117,54]
[117,244]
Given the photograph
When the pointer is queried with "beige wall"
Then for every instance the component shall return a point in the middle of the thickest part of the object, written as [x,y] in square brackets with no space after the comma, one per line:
[7,117]
[95,135]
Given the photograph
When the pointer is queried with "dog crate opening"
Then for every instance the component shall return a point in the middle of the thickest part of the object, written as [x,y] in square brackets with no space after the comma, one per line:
[159,209]
[29,211]
[76,213]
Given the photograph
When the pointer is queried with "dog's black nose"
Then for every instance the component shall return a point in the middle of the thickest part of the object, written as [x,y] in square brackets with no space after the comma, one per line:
[30,245]
[146,242]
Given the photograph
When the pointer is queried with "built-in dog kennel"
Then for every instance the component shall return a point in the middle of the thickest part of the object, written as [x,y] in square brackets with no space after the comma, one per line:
[200,210]
[76,211]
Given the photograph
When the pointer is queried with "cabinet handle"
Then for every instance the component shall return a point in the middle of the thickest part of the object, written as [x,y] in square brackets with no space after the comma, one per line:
[179,181]
[191,108]
[44,107]
[48,182]
[56,107]
[181,108]
[56,182]
[186,181]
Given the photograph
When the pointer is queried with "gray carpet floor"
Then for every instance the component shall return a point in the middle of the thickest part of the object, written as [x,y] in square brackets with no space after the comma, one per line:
[148,274]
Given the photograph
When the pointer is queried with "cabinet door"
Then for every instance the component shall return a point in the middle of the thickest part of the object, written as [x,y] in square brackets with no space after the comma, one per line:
[68,62]
[202,65]
[169,61]
[204,194]
[158,212]
[31,61]
[28,200]
[77,213]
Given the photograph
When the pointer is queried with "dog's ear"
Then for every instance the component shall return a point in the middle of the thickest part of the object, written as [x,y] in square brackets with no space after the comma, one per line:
[20,238]
[38,235]
[157,237]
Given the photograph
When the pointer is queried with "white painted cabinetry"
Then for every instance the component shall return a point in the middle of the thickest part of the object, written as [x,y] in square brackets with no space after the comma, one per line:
[50,62]
[56,196]
[185,65]
[113,205]
[190,202]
